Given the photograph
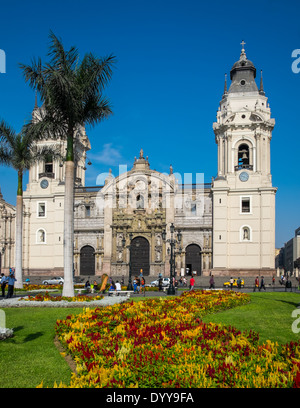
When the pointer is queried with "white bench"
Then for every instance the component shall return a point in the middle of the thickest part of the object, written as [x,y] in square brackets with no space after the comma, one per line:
[80,290]
[85,290]
[165,288]
[120,293]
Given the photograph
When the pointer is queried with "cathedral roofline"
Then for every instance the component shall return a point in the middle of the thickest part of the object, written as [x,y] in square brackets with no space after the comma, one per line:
[141,163]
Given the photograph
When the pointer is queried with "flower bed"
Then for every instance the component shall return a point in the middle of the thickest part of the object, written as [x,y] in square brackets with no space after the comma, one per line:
[147,288]
[164,343]
[46,297]
[30,287]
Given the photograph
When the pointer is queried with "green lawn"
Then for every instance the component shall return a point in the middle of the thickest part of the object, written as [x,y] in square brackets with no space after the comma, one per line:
[269,314]
[31,357]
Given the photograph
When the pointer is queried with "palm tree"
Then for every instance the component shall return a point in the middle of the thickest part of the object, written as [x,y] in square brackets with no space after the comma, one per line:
[71,92]
[20,151]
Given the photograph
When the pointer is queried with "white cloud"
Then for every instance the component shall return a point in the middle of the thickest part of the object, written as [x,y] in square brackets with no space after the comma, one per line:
[108,156]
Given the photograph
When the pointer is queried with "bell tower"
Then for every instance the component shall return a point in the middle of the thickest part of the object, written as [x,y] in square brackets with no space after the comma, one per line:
[243,195]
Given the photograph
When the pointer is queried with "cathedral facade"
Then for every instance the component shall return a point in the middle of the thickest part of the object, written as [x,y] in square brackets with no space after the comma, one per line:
[227,227]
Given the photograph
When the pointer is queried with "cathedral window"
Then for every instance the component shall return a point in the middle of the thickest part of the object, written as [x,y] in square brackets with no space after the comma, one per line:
[87,210]
[139,201]
[49,164]
[245,205]
[41,209]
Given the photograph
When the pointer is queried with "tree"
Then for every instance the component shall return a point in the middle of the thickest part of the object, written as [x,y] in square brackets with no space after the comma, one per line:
[20,151]
[72,96]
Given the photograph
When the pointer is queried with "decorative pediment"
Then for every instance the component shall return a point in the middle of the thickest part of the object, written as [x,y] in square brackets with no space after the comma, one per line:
[230,119]
[255,118]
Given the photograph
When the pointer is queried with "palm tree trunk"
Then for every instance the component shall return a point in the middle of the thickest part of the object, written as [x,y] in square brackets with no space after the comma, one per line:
[19,233]
[68,288]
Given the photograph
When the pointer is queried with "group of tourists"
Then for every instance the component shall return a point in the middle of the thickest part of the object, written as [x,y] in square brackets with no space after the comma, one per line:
[91,287]
[257,286]
[9,281]
[139,284]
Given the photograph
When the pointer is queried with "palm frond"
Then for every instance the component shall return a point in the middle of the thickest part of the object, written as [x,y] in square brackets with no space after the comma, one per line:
[7,134]
[5,156]
[41,153]
[60,59]
[33,74]
[71,90]
[96,109]
[95,73]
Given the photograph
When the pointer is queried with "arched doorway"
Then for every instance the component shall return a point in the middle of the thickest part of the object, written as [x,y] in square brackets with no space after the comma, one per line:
[140,256]
[193,258]
[87,261]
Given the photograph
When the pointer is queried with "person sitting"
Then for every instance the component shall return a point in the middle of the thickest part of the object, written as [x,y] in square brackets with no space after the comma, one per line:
[118,287]
[95,286]
[87,285]
[112,288]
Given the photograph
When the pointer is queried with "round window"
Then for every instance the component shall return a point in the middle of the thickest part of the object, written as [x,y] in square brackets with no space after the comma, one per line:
[243,82]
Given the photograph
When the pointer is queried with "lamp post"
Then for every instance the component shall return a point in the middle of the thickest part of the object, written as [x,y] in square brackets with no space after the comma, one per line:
[2,255]
[171,251]
[129,286]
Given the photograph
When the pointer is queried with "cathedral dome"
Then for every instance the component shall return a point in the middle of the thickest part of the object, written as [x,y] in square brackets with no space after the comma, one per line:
[242,65]
[243,74]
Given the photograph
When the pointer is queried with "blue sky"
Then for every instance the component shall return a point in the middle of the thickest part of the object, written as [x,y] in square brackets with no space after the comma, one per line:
[168,81]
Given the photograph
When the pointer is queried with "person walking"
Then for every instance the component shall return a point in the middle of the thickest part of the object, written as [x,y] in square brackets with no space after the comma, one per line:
[231,282]
[143,283]
[11,282]
[256,284]
[138,285]
[212,282]
[135,285]
[3,283]
[298,279]
[160,284]
[262,284]
[192,283]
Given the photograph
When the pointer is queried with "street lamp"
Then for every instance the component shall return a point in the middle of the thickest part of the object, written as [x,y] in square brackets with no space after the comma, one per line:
[171,251]
[129,286]
[2,255]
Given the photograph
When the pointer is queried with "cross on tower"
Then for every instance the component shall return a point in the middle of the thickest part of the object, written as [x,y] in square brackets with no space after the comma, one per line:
[243,54]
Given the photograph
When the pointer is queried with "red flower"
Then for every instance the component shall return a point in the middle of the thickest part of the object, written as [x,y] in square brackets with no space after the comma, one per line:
[297,380]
